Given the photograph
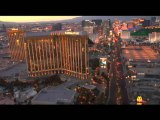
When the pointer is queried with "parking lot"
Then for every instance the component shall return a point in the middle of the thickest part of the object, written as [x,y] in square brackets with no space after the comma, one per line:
[140,53]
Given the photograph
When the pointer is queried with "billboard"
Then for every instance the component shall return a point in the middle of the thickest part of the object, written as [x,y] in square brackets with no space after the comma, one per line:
[103,62]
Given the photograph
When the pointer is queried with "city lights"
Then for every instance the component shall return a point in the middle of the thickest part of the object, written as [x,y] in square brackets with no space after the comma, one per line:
[102,60]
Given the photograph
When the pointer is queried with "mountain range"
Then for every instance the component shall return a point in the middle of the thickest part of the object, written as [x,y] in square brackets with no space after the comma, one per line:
[79,19]
[122,18]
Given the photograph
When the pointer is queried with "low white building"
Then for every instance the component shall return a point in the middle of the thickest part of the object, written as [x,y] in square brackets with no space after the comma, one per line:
[22,96]
[61,94]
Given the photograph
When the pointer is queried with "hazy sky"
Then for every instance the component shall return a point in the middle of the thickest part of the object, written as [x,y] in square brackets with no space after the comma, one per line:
[33,18]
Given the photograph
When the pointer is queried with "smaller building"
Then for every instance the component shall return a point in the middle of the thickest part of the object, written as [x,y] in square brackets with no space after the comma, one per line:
[87,23]
[16,44]
[147,88]
[89,87]
[62,94]
[23,96]
[154,37]
[97,22]
[130,24]
[125,34]
[57,27]
[6,101]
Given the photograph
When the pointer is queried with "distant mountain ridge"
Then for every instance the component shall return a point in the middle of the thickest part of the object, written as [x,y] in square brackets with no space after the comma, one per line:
[122,18]
[79,19]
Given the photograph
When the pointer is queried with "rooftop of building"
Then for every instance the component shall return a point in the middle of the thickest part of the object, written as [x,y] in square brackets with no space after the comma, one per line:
[6,101]
[90,87]
[148,80]
[148,88]
[151,71]
[31,34]
[61,93]
[12,70]
[53,95]
[142,53]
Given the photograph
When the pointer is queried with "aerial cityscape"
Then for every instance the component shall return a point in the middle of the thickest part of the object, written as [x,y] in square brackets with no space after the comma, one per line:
[79,60]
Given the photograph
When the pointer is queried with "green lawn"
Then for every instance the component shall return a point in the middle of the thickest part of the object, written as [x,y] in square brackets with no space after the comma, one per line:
[144,32]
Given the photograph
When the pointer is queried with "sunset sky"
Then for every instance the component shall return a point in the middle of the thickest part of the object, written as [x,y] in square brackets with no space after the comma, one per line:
[33,18]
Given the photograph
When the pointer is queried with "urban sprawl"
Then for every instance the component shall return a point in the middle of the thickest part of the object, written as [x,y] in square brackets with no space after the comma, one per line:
[88,62]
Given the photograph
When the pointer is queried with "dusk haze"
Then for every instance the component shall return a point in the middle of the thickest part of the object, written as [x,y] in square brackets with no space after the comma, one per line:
[80,60]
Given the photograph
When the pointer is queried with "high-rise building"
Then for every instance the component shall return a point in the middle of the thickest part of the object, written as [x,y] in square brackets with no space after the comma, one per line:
[146,23]
[16,44]
[124,26]
[116,21]
[98,22]
[107,26]
[157,21]
[83,23]
[154,37]
[153,20]
[130,24]
[87,23]
[2,28]
[100,31]
[125,34]
[57,27]
[157,18]
[63,54]
[88,29]
[88,26]
[135,21]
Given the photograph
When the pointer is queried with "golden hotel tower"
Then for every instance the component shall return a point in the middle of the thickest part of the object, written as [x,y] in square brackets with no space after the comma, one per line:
[62,54]
[16,44]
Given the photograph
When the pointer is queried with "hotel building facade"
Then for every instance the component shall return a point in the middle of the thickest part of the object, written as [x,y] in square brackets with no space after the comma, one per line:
[125,34]
[16,44]
[154,37]
[57,54]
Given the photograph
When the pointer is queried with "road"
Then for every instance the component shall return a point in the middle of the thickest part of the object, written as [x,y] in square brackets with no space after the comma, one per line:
[117,87]
[117,80]
[112,89]
[123,89]
[122,80]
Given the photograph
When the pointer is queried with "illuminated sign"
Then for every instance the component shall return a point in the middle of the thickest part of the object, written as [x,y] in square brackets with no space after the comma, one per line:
[17,41]
[97,40]
[139,103]
[110,33]
[141,20]
[139,100]
[25,46]
[109,39]
[129,66]
[103,62]
[140,73]
[72,33]
[14,29]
